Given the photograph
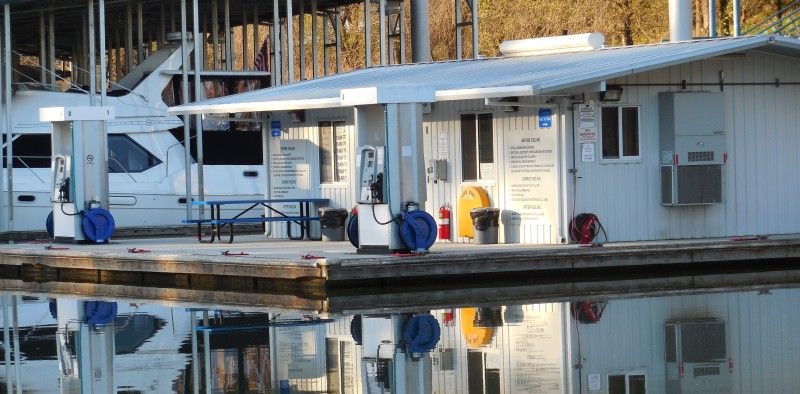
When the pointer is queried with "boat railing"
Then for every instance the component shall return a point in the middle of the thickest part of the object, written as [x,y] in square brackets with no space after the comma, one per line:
[21,160]
[179,143]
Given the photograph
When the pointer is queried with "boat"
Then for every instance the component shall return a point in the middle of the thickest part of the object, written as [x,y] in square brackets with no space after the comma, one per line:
[146,158]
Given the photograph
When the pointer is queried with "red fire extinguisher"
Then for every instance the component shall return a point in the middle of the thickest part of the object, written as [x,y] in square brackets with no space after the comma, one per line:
[444,222]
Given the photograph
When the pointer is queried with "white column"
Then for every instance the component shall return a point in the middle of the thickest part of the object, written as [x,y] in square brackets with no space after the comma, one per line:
[92,64]
[198,94]
[103,57]
[9,120]
[187,146]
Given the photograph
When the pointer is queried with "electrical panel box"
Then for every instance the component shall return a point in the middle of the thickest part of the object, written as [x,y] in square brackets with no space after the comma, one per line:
[696,357]
[693,152]
[437,169]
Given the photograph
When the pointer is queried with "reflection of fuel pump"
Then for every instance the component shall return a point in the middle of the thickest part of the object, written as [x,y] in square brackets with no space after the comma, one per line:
[80,173]
[85,345]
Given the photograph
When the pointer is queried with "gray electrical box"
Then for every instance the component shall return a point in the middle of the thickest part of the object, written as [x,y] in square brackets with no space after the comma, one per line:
[437,169]
[693,153]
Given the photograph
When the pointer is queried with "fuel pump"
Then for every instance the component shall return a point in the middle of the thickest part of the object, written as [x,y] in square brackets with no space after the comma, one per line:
[80,173]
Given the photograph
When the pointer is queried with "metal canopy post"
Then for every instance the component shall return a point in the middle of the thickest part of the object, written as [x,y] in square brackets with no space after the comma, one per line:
[192,325]
[42,49]
[129,38]
[9,123]
[420,32]
[289,42]
[382,46]
[459,24]
[92,56]
[314,40]
[198,94]
[214,35]
[228,35]
[338,26]
[140,52]
[475,45]
[103,57]
[367,34]
[737,16]
[187,135]
[51,57]
[325,55]
[302,22]
[256,36]
[277,64]
[245,41]
[402,31]
[712,18]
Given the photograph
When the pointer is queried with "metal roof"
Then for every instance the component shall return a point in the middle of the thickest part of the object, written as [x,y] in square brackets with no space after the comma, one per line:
[486,78]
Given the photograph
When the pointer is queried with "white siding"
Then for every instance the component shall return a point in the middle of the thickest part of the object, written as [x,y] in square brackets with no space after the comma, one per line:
[760,180]
[759,330]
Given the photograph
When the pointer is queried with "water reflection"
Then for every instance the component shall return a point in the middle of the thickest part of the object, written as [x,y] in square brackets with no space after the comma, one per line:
[739,342]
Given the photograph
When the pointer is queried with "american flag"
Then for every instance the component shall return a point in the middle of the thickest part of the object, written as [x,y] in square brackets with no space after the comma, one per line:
[261,59]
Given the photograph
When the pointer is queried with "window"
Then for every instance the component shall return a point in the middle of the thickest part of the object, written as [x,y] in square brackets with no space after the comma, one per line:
[125,155]
[620,132]
[626,384]
[477,147]
[30,151]
[333,157]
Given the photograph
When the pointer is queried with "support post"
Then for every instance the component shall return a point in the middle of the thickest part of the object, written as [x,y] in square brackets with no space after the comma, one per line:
[367,34]
[215,35]
[302,27]
[277,64]
[140,52]
[15,329]
[420,32]
[9,121]
[737,16]
[42,49]
[51,43]
[245,46]
[338,26]
[92,56]
[198,94]
[289,42]
[712,18]
[382,12]
[402,31]
[129,38]
[475,44]
[104,56]
[187,135]
[459,38]
[314,40]
[256,36]
[228,36]
[325,53]
[195,359]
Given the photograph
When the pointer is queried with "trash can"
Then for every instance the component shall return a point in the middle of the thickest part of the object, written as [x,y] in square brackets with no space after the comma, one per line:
[485,221]
[511,222]
[332,223]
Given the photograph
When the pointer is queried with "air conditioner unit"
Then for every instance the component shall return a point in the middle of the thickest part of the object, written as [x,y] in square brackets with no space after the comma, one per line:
[696,357]
[693,153]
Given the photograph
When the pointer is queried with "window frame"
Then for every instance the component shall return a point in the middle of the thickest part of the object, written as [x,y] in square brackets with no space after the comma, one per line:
[621,158]
[332,123]
[479,180]
[627,375]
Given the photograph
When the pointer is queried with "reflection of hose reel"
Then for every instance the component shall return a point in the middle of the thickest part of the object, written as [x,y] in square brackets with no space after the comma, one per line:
[585,227]
[588,312]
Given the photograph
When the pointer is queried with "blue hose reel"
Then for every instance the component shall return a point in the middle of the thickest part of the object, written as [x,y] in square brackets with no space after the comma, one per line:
[418,230]
[421,333]
[98,225]
[99,312]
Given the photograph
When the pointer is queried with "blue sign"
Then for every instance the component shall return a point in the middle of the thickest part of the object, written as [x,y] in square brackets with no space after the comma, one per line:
[545,118]
[276,128]
[284,384]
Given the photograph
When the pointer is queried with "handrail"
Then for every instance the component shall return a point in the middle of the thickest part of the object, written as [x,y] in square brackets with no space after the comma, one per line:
[779,17]
[123,169]
[179,143]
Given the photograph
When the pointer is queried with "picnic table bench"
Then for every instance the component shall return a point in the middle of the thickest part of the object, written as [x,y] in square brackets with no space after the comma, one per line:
[304,219]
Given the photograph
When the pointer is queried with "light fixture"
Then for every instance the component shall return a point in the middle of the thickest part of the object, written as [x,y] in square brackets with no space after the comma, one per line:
[298,116]
[612,93]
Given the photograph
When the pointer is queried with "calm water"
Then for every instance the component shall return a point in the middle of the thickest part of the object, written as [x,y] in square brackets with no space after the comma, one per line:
[727,342]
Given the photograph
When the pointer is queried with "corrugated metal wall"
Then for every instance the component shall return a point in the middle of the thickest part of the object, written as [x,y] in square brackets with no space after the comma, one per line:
[442,128]
[520,362]
[760,179]
[760,332]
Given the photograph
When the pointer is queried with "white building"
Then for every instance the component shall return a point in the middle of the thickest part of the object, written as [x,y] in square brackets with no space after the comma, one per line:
[543,135]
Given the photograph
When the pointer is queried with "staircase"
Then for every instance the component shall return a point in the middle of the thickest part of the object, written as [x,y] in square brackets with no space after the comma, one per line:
[784,22]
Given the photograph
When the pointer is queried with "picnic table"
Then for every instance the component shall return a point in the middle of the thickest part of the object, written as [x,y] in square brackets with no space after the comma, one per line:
[307,215]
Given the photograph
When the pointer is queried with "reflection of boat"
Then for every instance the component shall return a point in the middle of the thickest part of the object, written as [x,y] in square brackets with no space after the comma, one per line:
[147,341]
[146,155]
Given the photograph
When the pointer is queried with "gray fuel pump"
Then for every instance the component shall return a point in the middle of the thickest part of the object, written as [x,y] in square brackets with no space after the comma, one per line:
[80,173]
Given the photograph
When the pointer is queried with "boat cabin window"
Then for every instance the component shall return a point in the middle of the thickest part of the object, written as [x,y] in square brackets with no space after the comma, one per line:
[31,151]
[233,147]
[125,155]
